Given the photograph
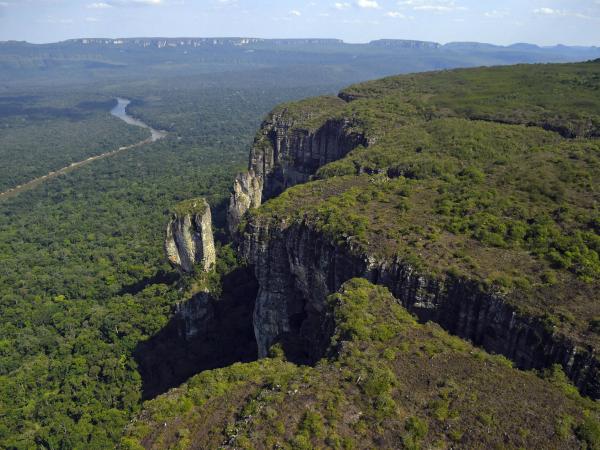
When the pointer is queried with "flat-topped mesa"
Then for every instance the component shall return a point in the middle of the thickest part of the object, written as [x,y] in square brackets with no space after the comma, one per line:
[292,144]
[436,210]
[189,241]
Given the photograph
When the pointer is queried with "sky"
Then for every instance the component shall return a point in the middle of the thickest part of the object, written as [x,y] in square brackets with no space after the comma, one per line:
[543,22]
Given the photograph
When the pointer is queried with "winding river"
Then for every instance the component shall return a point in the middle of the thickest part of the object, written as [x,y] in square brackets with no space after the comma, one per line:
[120,111]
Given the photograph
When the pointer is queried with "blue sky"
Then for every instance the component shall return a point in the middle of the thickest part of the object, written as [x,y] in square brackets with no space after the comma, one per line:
[546,22]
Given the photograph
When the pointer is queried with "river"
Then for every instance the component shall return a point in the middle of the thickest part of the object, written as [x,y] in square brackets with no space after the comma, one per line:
[120,111]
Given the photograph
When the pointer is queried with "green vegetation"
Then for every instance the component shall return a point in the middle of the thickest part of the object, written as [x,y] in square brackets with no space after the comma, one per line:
[589,433]
[45,133]
[280,63]
[83,281]
[193,206]
[310,112]
[558,97]
[358,398]
[83,278]
[488,174]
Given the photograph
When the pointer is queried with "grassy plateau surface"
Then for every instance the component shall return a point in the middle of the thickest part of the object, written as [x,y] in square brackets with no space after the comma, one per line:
[492,174]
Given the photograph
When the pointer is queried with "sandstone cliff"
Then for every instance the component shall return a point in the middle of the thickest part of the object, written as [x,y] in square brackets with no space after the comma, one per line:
[189,239]
[425,175]
[288,150]
[297,267]
[287,153]
[382,366]
[247,194]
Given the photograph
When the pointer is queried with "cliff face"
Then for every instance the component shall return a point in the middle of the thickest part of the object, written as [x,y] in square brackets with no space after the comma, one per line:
[477,226]
[204,333]
[381,364]
[247,194]
[189,239]
[287,152]
[443,204]
[297,268]
[194,316]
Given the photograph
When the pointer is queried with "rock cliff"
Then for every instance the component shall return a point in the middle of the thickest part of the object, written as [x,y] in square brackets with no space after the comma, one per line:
[189,239]
[247,194]
[194,315]
[427,175]
[287,151]
[297,268]
[382,366]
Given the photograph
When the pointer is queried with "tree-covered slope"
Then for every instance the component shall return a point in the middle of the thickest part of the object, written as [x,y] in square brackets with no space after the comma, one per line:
[388,382]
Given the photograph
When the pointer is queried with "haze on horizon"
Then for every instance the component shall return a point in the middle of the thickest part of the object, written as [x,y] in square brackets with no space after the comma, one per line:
[543,22]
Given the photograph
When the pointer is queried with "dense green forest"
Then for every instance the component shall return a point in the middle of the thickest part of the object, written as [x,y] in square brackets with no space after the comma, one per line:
[81,267]
[43,134]
[83,279]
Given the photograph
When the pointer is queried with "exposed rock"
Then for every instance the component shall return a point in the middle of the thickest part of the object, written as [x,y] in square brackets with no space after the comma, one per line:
[297,268]
[194,315]
[189,239]
[247,194]
[286,153]
[403,43]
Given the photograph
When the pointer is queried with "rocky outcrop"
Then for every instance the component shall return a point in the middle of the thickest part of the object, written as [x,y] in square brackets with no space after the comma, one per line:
[297,268]
[189,239]
[286,153]
[247,194]
[404,44]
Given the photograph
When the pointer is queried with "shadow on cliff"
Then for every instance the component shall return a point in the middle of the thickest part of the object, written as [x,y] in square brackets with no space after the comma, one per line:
[205,333]
[219,221]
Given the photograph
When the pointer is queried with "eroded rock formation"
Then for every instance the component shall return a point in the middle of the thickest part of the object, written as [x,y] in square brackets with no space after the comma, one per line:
[194,315]
[297,268]
[287,152]
[247,194]
[205,332]
[189,239]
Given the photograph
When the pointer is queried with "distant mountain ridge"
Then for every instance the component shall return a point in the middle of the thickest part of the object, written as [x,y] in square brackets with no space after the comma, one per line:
[162,42]
[310,61]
